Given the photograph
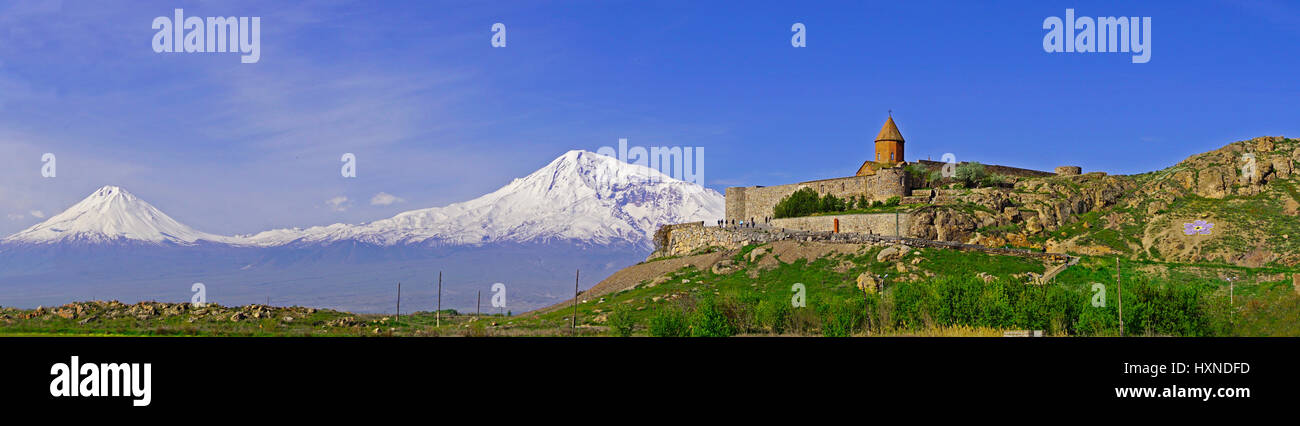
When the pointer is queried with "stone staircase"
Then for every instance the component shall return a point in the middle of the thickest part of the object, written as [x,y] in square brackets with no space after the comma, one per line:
[1057,270]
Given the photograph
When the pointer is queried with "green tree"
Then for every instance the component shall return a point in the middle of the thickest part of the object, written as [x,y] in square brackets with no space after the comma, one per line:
[971,174]
[801,203]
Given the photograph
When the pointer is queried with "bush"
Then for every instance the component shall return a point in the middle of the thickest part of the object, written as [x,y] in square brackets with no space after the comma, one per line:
[970,174]
[877,313]
[830,203]
[741,312]
[916,170]
[801,203]
[668,322]
[969,301]
[805,202]
[1163,310]
[621,322]
[993,180]
[709,321]
[841,319]
[773,316]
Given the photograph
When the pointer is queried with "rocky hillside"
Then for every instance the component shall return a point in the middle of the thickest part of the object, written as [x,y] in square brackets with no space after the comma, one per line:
[1211,207]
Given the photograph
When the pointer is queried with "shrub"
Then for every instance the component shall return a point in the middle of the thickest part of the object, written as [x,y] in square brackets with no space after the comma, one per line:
[969,301]
[709,321]
[877,313]
[741,312]
[970,174]
[830,203]
[803,320]
[839,320]
[916,170]
[621,322]
[1164,310]
[668,322]
[993,180]
[773,316]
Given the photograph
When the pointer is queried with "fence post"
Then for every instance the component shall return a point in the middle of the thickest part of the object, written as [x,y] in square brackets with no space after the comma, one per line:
[437,314]
[573,329]
[1121,297]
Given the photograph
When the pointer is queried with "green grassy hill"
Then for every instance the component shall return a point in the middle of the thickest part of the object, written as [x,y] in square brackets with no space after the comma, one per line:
[751,291]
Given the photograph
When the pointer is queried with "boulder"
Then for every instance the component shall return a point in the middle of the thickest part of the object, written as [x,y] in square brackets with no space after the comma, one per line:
[867,282]
[1212,183]
[723,267]
[890,254]
[1069,170]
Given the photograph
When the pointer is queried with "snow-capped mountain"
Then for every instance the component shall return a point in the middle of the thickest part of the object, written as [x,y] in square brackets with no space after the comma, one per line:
[112,215]
[580,196]
[583,211]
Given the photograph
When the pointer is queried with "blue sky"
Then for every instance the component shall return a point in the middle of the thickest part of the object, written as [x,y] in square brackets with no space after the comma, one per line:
[436,115]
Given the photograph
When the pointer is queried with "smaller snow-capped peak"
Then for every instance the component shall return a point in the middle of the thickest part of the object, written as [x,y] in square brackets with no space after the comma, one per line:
[111,214]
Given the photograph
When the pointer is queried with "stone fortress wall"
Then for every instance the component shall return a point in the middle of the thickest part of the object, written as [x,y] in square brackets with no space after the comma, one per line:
[690,238]
[994,169]
[757,202]
[895,224]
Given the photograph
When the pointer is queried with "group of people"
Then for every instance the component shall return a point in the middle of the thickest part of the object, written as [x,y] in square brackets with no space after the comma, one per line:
[743,224]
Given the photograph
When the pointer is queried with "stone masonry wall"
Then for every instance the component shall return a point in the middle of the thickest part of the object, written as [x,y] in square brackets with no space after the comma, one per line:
[991,169]
[735,203]
[689,238]
[878,223]
[757,202]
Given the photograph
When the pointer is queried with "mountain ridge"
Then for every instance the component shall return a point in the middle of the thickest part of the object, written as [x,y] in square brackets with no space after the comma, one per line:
[579,196]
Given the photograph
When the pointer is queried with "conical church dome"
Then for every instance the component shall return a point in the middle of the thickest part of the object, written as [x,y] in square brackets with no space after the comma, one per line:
[889,132]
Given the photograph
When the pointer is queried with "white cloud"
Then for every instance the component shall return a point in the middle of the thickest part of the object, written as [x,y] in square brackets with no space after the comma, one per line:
[339,203]
[384,199]
[37,214]
[12,216]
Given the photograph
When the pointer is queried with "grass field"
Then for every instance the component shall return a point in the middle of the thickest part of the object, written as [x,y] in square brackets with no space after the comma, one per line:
[938,293]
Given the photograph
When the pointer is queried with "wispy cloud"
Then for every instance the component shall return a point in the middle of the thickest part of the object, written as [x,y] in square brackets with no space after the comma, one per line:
[338,204]
[384,199]
[37,214]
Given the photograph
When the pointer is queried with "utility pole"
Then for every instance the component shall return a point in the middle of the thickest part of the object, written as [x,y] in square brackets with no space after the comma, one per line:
[399,302]
[478,304]
[573,329]
[437,314]
[1121,297]
[1231,287]
[1231,300]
